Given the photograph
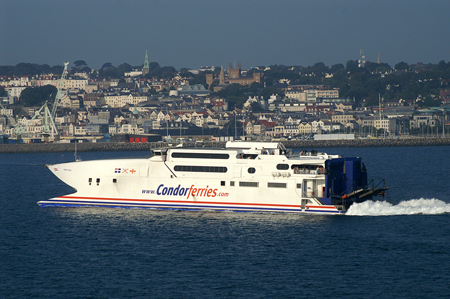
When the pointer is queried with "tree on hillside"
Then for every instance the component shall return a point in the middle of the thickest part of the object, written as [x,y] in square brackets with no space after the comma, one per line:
[153,65]
[57,69]
[235,94]
[79,63]
[80,66]
[428,101]
[106,66]
[256,107]
[198,79]
[108,70]
[125,67]
[351,66]
[336,67]
[36,96]
[267,92]
[401,66]
[24,69]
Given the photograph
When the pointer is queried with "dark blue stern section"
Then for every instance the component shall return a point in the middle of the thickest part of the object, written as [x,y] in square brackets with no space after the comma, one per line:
[344,175]
[346,182]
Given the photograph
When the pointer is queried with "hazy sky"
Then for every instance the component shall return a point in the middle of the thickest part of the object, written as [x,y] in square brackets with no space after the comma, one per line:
[183,33]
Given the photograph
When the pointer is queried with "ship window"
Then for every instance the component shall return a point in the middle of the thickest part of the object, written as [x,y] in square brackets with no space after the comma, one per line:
[200,155]
[191,168]
[305,169]
[114,180]
[222,183]
[248,184]
[232,183]
[299,186]
[251,170]
[90,181]
[98,181]
[282,166]
[276,185]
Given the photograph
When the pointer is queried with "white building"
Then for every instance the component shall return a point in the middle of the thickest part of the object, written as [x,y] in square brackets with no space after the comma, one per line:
[117,101]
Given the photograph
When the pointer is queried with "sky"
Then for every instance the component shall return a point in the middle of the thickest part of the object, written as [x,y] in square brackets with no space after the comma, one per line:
[196,33]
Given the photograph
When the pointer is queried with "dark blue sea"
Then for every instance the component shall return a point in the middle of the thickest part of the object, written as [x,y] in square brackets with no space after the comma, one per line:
[399,248]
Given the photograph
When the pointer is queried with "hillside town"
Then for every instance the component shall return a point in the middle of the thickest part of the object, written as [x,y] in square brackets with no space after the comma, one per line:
[194,105]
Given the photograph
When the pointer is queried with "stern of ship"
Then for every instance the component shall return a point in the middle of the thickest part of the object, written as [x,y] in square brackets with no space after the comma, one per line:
[346,183]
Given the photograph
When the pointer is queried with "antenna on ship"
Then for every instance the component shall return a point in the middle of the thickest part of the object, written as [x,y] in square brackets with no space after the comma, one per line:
[75,154]
[235,125]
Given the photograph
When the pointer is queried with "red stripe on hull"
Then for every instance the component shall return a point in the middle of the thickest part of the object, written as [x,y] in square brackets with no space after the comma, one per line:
[195,202]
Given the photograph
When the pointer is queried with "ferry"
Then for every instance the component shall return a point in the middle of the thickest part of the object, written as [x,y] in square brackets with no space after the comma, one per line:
[242,176]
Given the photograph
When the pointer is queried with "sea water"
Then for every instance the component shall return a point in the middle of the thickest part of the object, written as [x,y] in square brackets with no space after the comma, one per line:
[397,248]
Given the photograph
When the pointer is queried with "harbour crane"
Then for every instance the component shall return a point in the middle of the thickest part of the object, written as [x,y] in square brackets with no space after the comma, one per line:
[49,126]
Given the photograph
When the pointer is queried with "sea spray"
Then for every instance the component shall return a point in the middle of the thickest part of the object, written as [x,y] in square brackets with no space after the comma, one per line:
[409,207]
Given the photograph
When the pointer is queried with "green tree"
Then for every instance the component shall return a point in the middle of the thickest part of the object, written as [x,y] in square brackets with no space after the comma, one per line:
[36,96]
[125,67]
[256,107]
[80,63]
[86,69]
[351,66]
[199,79]
[428,101]
[401,66]
[336,67]
[153,65]
[235,94]
[57,69]
[267,92]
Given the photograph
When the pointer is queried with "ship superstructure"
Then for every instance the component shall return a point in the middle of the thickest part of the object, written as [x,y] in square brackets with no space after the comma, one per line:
[242,176]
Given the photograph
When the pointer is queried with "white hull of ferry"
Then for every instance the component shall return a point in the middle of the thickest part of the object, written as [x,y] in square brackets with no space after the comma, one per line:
[247,177]
[75,201]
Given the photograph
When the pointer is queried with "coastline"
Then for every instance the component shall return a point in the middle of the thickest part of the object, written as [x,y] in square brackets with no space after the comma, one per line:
[122,146]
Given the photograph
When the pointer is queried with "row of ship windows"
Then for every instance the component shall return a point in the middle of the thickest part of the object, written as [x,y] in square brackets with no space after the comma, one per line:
[256,184]
[251,170]
[223,156]
[215,156]
[232,184]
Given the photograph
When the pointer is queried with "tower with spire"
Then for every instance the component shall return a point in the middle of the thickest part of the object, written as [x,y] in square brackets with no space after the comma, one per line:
[146,68]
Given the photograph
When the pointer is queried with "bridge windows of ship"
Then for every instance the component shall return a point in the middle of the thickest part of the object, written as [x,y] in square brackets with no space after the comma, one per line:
[251,170]
[307,169]
[192,168]
[200,155]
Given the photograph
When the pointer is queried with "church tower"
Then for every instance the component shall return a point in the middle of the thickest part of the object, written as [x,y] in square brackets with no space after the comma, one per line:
[222,77]
[234,73]
[146,68]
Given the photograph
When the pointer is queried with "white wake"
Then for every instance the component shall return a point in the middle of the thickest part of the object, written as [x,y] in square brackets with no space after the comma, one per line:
[408,207]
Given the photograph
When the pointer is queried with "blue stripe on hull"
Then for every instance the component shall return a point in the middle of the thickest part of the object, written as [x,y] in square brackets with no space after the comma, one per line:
[44,204]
